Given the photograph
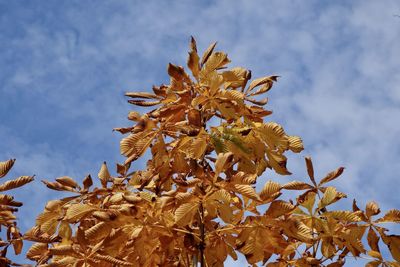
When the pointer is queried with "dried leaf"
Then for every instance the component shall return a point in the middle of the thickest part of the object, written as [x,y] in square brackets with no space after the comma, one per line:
[5,167]
[77,211]
[104,175]
[184,213]
[331,176]
[296,185]
[22,180]
[310,170]
[193,59]
[266,81]
[207,53]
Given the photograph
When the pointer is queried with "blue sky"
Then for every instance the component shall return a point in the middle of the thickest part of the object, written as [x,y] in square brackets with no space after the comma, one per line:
[66,64]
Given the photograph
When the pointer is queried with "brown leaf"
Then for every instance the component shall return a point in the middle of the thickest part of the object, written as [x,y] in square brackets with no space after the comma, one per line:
[76,211]
[331,176]
[224,160]
[87,182]
[278,208]
[266,81]
[193,59]
[22,180]
[270,190]
[295,144]
[373,240]
[392,215]
[176,72]
[141,95]
[143,103]
[5,167]
[67,181]
[247,191]
[207,53]
[185,212]
[310,170]
[261,102]
[104,175]
[372,209]
[296,185]
[194,117]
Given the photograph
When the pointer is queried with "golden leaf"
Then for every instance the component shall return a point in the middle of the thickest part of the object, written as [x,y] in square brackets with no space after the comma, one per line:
[16,183]
[295,144]
[343,215]
[234,78]
[224,160]
[48,222]
[234,95]
[144,103]
[194,117]
[58,186]
[393,243]
[296,185]
[141,95]
[329,197]
[77,211]
[176,72]
[278,162]
[207,53]
[278,208]
[104,175]
[266,81]
[110,259]
[270,190]
[215,61]
[37,251]
[64,250]
[67,181]
[247,191]
[261,102]
[331,176]
[307,200]
[328,248]
[185,212]
[65,232]
[98,231]
[310,170]
[392,215]
[134,116]
[372,209]
[5,167]
[87,182]
[198,147]
[193,59]
[127,144]
[373,240]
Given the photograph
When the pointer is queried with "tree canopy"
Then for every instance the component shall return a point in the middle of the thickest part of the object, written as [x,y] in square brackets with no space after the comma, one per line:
[196,202]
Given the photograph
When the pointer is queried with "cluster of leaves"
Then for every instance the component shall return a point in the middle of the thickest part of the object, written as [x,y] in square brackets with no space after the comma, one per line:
[196,201]
[8,206]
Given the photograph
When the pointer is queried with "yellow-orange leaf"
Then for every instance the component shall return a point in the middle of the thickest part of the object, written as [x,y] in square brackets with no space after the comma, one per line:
[392,215]
[15,183]
[5,167]
[247,191]
[331,176]
[296,185]
[104,175]
[184,213]
[77,211]
[270,190]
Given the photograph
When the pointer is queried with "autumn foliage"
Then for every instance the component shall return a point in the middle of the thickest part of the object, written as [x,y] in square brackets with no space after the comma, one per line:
[196,202]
